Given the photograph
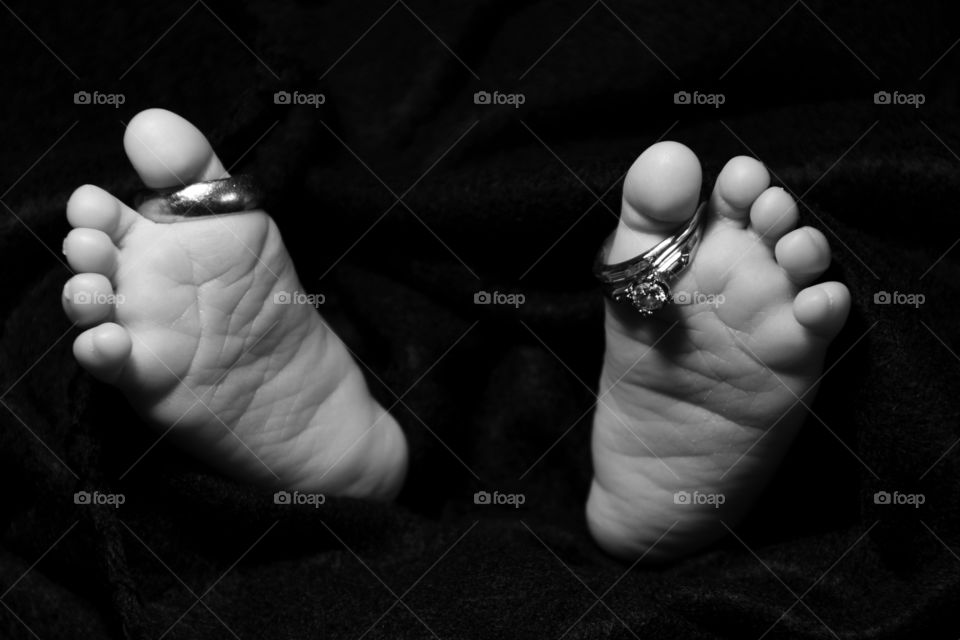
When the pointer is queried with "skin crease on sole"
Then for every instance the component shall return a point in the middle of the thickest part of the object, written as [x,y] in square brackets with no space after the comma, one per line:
[698,403]
[184,319]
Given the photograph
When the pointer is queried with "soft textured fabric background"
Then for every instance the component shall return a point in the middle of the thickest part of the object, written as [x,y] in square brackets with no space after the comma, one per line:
[493,198]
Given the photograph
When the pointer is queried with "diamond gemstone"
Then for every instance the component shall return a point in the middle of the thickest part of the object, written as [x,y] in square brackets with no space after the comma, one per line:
[648,296]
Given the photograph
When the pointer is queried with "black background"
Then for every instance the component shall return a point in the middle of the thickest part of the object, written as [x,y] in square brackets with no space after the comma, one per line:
[493,398]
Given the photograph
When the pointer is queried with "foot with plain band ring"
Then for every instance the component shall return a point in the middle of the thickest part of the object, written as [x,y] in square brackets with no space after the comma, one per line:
[183,317]
[698,398]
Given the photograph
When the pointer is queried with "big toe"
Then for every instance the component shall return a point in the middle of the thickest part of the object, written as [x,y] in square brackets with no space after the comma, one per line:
[168,151]
[660,192]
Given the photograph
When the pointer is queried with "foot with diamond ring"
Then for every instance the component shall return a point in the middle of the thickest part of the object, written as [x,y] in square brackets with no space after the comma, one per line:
[699,400]
[184,319]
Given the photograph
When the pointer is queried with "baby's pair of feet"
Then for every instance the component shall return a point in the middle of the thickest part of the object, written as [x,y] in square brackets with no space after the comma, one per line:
[697,403]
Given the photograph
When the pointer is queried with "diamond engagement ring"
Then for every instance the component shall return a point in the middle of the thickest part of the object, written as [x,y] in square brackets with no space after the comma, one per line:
[208,198]
[644,280]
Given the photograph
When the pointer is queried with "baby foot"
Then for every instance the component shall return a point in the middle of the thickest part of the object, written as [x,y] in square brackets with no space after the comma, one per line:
[699,401]
[184,320]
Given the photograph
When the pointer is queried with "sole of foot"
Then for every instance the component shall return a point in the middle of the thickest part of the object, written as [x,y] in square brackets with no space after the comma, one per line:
[699,402]
[187,320]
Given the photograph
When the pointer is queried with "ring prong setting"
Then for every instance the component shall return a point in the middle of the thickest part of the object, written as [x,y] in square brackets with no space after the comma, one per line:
[648,296]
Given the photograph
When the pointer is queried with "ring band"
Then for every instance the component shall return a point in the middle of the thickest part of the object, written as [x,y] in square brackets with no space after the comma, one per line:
[644,280]
[209,198]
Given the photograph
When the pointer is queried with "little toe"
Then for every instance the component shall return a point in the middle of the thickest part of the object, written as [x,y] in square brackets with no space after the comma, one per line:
[90,251]
[103,351]
[93,208]
[660,192]
[804,254]
[741,181]
[823,308]
[88,299]
[773,214]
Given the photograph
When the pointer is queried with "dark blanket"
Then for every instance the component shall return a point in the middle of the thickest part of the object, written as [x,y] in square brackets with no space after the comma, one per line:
[400,199]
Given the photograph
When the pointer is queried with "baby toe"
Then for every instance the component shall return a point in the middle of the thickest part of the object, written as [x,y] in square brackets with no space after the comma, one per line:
[804,254]
[103,350]
[90,251]
[773,214]
[823,308]
[88,299]
[93,208]
[740,182]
